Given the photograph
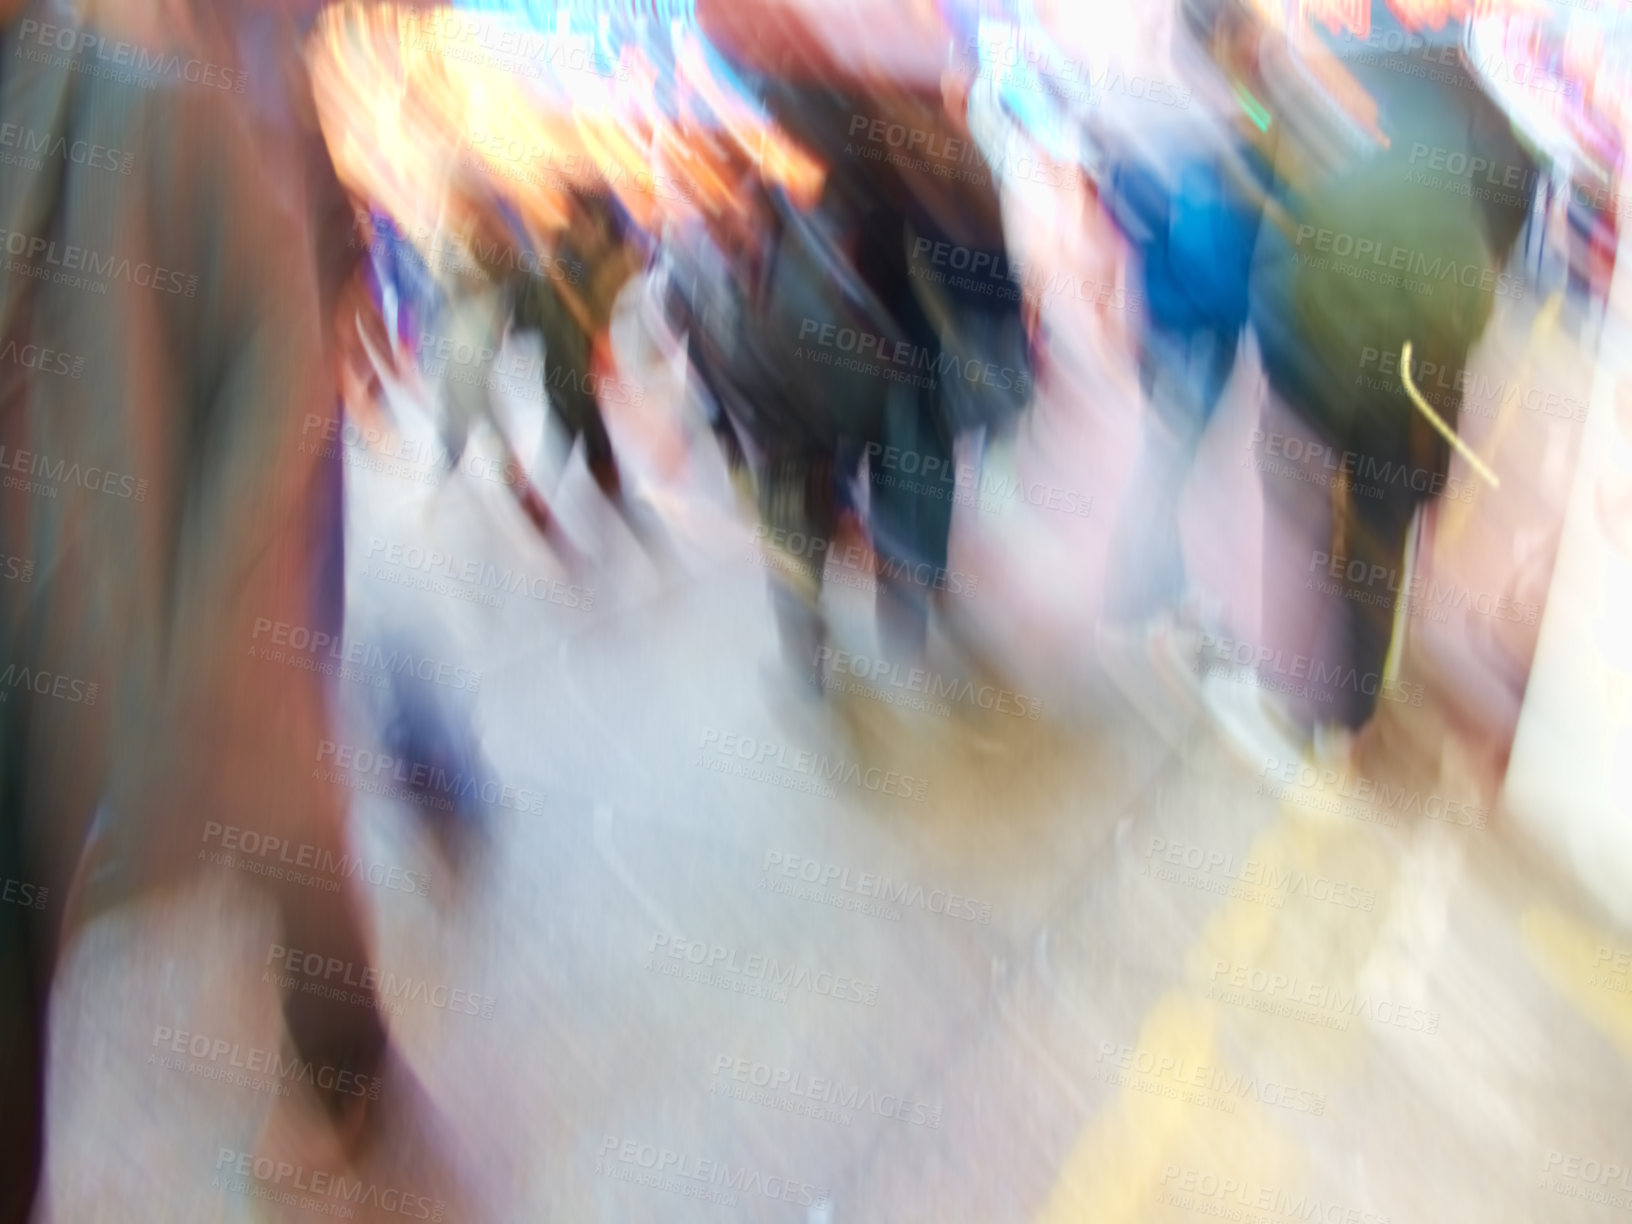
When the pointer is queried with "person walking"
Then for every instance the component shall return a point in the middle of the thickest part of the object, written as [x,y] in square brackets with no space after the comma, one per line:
[1190,205]
[569,301]
[1349,457]
[170,501]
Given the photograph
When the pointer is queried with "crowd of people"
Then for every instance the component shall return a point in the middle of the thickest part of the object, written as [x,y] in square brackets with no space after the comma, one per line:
[818,336]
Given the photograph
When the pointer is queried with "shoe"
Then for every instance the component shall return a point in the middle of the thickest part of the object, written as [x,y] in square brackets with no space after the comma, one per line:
[1174,647]
[1334,745]
[608,478]
[1257,734]
[535,508]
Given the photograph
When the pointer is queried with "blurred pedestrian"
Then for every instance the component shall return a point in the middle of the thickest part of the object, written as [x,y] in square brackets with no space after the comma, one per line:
[173,500]
[473,251]
[1190,202]
[1347,459]
[973,334]
[569,301]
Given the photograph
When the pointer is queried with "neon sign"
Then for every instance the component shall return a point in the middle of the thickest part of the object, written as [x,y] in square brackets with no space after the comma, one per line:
[1339,15]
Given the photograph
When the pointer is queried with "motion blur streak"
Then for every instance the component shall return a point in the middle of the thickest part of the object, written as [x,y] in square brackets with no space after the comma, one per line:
[946,610]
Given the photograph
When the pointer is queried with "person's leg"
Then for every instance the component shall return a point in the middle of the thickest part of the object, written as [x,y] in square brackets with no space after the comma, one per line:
[1214,353]
[1535,229]
[1605,240]
[706,384]
[1153,346]
[598,454]
[911,520]
[796,507]
[1549,208]
[1374,582]
[1301,607]
[476,322]
[573,374]
[845,492]
[1578,287]
[569,382]
[1182,377]
[459,409]
[420,294]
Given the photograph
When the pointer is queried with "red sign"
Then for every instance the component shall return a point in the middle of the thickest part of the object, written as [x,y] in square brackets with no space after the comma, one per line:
[1339,15]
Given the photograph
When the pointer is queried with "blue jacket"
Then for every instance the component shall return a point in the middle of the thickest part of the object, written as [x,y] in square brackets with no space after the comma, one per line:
[1194,231]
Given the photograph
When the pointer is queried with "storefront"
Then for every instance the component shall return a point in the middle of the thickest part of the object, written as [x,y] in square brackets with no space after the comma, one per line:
[1569,782]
